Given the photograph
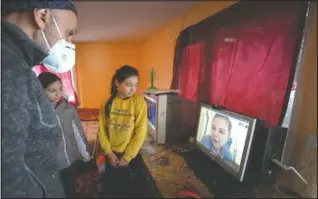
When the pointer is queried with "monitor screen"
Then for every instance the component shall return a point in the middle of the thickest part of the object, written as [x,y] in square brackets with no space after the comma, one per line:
[226,138]
[151,111]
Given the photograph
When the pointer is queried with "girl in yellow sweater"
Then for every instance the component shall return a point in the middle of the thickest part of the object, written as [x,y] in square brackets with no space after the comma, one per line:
[122,130]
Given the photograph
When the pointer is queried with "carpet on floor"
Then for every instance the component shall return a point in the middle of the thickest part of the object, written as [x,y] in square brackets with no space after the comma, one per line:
[86,184]
[90,130]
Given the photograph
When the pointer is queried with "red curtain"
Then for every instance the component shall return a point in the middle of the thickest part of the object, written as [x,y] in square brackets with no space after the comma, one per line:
[190,69]
[243,63]
[251,67]
[68,88]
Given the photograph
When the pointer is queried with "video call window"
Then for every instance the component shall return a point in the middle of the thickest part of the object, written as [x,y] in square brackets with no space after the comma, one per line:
[223,136]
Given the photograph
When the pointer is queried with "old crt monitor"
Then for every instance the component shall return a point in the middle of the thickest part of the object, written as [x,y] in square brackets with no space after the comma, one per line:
[163,111]
[226,138]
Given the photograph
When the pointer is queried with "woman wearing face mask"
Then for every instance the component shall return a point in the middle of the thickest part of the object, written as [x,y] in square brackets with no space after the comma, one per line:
[122,131]
[219,141]
[74,143]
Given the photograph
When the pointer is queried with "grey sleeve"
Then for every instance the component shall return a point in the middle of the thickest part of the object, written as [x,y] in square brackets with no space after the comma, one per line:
[79,125]
[16,180]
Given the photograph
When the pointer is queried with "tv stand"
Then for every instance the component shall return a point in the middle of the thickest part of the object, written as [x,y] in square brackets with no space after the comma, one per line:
[216,179]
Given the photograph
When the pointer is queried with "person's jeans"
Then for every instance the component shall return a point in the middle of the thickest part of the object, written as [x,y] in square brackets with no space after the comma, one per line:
[122,182]
[67,177]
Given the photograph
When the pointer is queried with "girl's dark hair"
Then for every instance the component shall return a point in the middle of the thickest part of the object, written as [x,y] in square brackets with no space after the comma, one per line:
[47,78]
[120,75]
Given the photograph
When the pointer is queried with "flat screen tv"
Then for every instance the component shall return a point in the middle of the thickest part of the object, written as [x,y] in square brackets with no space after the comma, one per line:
[226,138]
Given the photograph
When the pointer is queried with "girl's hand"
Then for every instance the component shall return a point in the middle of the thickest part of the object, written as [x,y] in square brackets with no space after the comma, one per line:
[122,163]
[113,160]
[87,159]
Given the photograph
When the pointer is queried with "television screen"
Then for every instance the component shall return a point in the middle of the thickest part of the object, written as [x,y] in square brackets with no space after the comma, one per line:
[226,138]
[152,109]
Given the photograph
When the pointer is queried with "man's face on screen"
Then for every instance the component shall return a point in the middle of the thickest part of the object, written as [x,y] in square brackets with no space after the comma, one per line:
[220,132]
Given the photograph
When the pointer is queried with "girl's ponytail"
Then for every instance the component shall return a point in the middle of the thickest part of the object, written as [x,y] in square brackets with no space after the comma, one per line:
[113,92]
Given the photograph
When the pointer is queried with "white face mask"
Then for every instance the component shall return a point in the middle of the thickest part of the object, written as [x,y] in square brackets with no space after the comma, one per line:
[61,56]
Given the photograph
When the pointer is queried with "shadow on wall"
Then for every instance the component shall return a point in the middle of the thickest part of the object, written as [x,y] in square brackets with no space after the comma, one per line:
[190,112]
[96,64]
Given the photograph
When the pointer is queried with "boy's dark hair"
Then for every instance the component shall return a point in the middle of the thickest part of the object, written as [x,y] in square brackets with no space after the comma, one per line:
[120,75]
[47,78]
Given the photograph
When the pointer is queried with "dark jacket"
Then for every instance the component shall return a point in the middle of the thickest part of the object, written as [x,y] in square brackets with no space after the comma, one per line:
[69,150]
[28,129]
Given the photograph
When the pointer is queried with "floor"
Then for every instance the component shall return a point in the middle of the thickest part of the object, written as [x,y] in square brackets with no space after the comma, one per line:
[86,185]
[90,125]
[90,129]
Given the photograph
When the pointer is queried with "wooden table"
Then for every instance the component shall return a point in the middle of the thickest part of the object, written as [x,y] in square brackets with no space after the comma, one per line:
[171,173]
